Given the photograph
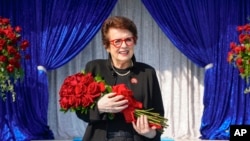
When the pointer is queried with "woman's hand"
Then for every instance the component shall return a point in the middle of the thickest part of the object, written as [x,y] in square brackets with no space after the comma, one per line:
[112,103]
[142,127]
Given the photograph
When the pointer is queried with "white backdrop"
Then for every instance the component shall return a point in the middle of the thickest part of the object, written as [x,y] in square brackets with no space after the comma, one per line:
[181,81]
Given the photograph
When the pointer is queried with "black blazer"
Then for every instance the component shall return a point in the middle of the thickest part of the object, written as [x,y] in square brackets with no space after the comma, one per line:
[146,90]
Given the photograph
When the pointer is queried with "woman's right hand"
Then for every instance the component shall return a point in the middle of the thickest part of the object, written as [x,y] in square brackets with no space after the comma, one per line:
[112,103]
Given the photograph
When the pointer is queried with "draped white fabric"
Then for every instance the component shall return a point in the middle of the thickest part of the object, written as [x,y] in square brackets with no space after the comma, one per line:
[181,81]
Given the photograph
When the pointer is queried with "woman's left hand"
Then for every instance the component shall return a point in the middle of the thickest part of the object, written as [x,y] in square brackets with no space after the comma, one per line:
[142,127]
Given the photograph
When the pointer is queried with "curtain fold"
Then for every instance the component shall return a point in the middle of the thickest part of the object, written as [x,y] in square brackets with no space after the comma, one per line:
[57,31]
[202,30]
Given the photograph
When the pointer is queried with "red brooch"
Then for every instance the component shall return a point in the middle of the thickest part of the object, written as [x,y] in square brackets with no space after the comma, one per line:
[133,80]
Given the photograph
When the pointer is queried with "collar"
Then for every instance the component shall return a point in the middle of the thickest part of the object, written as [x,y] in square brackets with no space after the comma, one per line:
[132,69]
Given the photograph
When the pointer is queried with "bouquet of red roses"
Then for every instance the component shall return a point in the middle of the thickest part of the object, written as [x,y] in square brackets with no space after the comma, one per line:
[239,54]
[12,52]
[81,92]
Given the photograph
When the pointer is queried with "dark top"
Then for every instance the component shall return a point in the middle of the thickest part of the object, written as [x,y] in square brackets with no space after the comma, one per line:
[145,90]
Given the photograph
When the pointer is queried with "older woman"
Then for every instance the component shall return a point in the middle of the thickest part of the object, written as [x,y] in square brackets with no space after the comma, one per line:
[119,36]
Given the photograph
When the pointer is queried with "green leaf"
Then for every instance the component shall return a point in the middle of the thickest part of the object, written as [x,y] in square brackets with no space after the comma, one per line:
[108,88]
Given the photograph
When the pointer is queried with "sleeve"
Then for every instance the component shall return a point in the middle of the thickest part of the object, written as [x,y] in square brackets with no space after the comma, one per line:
[157,96]
[156,101]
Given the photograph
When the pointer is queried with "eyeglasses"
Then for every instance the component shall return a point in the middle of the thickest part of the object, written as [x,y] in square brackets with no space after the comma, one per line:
[118,42]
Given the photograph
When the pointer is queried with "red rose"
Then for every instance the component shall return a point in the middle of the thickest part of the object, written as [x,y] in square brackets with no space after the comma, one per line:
[247,27]
[93,91]
[14,62]
[72,81]
[24,45]
[67,88]
[80,89]
[237,49]
[3,58]
[96,88]
[243,38]
[11,50]
[241,70]
[17,56]
[240,28]
[232,45]
[2,43]
[243,48]
[11,35]
[64,103]
[87,79]
[87,100]
[10,68]
[78,102]
[5,21]
[239,62]
[18,29]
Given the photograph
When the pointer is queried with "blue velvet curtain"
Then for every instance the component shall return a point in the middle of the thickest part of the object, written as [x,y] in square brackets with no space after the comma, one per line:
[57,31]
[202,30]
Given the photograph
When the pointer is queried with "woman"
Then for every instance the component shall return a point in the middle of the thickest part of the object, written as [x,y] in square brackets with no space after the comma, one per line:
[119,36]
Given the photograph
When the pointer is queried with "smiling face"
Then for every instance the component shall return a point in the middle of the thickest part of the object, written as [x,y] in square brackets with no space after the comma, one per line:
[121,54]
